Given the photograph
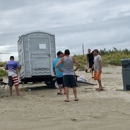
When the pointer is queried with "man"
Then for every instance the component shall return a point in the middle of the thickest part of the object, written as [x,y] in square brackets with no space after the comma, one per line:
[57,72]
[12,67]
[97,69]
[69,74]
[90,60]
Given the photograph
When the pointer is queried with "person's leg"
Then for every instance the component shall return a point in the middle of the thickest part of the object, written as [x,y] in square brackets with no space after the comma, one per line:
[92,73]
[67,93]
[16,83]
[73,84]
[90,66]
[59,82]
[10,89]
[17,91]
[75,93]
[10,83]
[100,84]
[60,89]
[62,82]
[66,84]
[98,78]
[64,90]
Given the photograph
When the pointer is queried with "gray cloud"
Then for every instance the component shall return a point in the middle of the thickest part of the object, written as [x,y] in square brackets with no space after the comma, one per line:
[94,23]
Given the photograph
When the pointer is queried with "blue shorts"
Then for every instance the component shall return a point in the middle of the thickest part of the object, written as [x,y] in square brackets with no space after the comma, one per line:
[10,81]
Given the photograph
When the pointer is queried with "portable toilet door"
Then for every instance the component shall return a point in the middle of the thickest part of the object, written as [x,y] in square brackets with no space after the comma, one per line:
[39,48]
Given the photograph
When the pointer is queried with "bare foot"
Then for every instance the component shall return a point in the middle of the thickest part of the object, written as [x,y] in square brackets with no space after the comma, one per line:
[99,89]
[66,100]
[19,94]
[59,93]
[76,99]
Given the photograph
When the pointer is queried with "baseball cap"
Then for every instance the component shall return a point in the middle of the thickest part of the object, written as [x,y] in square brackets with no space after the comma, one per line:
[59,52]
[96,50]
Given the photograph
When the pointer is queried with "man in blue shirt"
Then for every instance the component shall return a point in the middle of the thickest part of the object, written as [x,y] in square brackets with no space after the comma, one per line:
[12,67]
[57,72]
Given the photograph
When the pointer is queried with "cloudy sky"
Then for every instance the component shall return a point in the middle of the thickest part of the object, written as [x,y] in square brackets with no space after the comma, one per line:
[94,23]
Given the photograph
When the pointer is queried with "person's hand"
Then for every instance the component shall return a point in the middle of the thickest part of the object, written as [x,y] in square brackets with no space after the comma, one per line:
[61,70]
[19,67]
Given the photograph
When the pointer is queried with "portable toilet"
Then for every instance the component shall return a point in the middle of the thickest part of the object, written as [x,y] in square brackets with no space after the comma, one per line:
[126,73]
[36,52]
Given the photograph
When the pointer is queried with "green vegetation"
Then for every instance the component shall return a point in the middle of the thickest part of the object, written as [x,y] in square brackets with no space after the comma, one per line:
[3,73]
[107,72]
[110,57]
[2,64]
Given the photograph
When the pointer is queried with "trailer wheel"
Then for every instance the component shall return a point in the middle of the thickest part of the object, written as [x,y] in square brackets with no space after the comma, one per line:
[55,85]
[48,83]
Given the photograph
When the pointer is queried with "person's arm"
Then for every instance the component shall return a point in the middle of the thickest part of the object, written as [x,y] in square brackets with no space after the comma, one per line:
[54,71]
[100,63]
[92,68]
[6,67]
[54,68]
[58,65]
[77,64]
[87,60]
[18,66]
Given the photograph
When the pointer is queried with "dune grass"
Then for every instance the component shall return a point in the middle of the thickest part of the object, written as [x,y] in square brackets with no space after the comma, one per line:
[3,73]
[2,64]
[109,57]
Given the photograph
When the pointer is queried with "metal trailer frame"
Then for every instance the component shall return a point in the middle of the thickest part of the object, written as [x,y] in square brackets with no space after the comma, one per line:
[51,82]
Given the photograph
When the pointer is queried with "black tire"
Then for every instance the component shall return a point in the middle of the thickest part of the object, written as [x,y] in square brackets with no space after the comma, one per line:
[49,83]
[55,85]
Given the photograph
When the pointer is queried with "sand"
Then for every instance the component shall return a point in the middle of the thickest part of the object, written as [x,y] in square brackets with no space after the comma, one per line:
[43,109]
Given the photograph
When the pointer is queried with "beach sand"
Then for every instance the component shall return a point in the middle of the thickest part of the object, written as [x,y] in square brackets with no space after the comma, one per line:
[43,109]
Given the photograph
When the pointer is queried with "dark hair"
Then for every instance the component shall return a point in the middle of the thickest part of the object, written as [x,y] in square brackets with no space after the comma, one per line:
[96,50]
[59,52]
[67,52]
[11,57]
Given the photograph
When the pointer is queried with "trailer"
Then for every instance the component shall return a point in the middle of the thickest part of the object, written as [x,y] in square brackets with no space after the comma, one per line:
[36,52]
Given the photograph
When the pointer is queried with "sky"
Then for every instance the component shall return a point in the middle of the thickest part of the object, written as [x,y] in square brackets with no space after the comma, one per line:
[96,24]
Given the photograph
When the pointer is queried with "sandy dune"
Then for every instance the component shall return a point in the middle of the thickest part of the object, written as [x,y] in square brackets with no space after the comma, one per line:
[42,109]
